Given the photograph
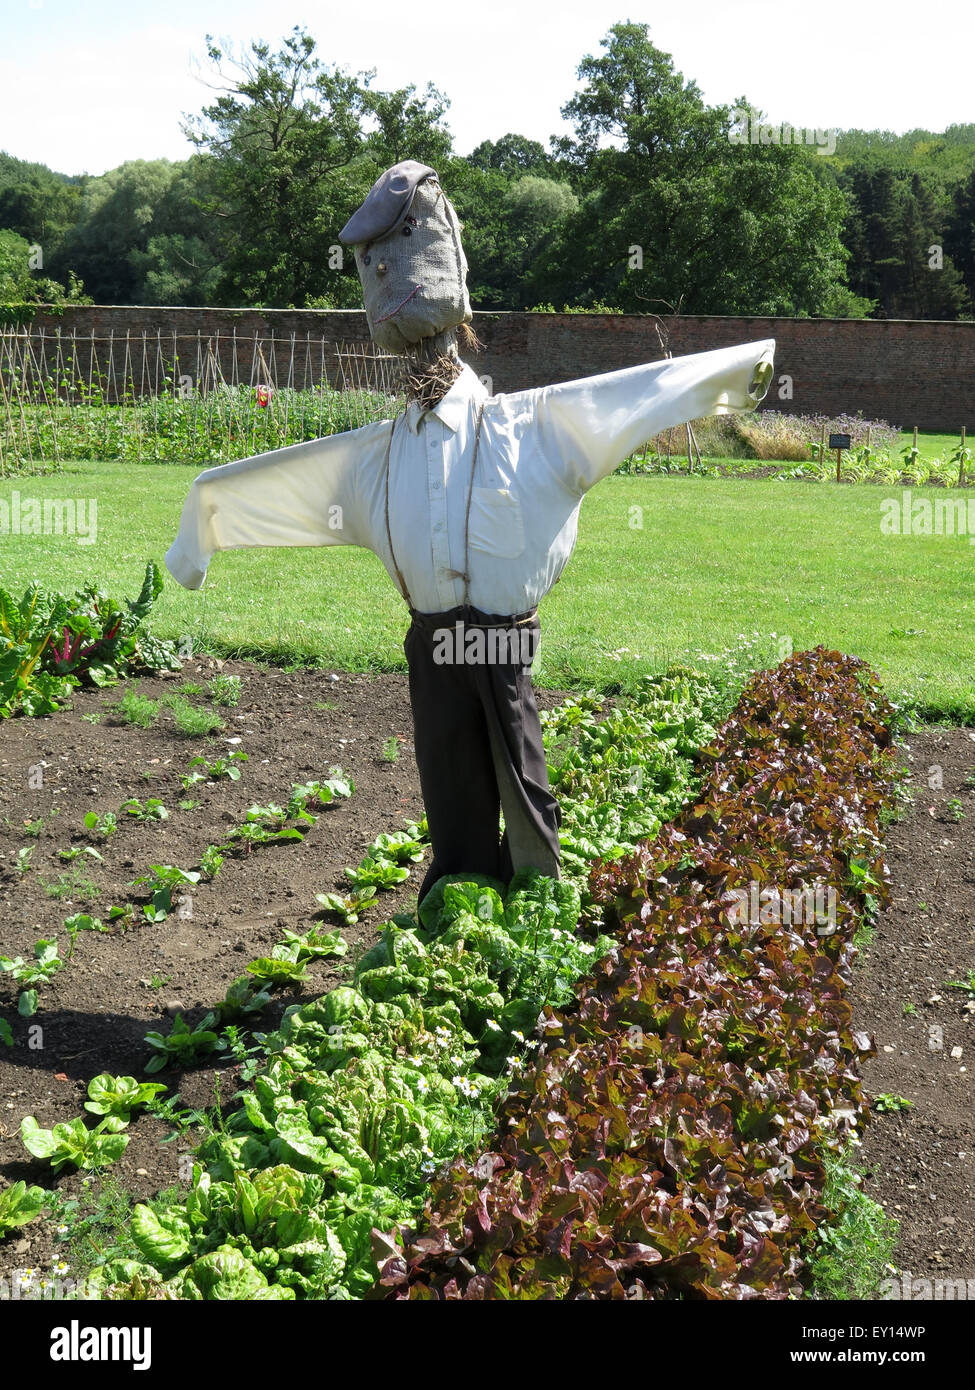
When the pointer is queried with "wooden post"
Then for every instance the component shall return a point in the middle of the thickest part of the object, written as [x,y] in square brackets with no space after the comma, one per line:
[839,456]
[915,436]
[869,434]
[822,445]
[961,461]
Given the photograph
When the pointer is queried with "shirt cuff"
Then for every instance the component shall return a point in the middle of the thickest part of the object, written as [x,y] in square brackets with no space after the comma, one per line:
[184,570]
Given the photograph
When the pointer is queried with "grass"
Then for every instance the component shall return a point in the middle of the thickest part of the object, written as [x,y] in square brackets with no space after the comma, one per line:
[713,558]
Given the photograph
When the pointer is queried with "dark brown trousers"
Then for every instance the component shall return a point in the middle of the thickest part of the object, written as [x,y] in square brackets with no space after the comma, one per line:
[479,745]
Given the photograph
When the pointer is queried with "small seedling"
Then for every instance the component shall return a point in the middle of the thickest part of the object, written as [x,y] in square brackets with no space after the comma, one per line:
[966,986]
[908,1009]
[955,809]
[391,749]
[23,859]
[33,828]
[188,805]
[138,710]
[225,690]
[105,825]
[92,718]
[348,906]
[41,970]
[195,723]
[886,1104]
[71,885]
[190,688]
[153,809]
[80,922]
[210,771]
[122,917]
[234,1040]
[210,861]
[76,851]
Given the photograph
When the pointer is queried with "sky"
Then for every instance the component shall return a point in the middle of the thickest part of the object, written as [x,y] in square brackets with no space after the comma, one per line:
[84,87]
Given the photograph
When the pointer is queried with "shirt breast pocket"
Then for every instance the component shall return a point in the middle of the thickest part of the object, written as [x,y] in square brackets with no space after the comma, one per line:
[496,525]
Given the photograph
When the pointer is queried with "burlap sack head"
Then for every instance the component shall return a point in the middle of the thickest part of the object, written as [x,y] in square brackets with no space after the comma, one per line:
[412,266]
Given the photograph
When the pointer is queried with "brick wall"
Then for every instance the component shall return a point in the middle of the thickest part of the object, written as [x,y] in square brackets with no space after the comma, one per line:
[909,372]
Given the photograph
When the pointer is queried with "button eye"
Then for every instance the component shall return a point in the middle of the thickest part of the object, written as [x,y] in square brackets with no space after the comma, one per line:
[366,260]
[407,231]
[381,268]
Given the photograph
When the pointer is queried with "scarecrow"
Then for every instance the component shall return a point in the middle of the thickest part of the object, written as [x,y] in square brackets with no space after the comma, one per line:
[471,501]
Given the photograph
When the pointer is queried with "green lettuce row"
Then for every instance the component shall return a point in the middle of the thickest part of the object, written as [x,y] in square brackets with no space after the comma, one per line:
[373,1087]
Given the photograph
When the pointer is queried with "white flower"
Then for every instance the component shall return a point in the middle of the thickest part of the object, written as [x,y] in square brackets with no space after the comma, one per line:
[494,1027]
[422,1085]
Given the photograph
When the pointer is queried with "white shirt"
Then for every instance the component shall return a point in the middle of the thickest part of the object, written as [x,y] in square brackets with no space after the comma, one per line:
[539,453]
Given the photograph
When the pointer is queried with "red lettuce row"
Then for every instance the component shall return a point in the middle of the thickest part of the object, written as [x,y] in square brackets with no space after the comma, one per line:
[668,1141]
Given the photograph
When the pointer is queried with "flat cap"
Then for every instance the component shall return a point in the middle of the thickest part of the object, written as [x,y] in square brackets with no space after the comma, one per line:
[387,203]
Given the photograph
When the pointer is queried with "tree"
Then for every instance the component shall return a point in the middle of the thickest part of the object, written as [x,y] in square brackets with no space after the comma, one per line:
[514,156]
[19,282]
[672,212]
[292,147]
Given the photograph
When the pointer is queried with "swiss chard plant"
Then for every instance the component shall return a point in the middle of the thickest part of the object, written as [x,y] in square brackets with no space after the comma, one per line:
[100,640]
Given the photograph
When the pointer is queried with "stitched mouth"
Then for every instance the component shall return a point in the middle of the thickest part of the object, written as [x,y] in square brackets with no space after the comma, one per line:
[412,294]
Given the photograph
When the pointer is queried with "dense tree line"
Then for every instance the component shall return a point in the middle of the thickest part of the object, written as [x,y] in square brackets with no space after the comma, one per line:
[647,204]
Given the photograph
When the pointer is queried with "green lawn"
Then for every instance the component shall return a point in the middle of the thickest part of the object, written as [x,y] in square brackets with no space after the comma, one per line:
[715,558]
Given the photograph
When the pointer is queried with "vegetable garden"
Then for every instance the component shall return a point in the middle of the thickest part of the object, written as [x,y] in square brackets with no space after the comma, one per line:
[614,1085]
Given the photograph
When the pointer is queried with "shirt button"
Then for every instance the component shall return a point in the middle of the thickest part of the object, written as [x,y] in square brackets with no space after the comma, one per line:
[439,526]
[436,487]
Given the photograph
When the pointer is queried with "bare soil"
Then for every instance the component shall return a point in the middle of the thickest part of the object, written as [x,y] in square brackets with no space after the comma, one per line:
[921,1161]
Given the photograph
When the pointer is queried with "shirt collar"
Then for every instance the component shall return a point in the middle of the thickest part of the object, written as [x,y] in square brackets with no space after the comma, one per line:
[453,407]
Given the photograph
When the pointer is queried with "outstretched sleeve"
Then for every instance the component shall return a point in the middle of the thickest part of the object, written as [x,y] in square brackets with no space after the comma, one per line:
[305,494]
[587,428]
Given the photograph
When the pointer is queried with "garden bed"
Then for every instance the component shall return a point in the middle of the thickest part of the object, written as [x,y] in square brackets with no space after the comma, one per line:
[96,1012]
[117,986]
